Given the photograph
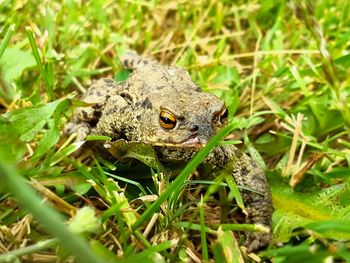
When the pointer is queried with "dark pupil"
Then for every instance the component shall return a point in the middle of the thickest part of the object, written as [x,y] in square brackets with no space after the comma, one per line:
[166,120]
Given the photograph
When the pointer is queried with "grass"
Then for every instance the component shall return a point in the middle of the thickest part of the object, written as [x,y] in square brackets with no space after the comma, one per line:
[282,68]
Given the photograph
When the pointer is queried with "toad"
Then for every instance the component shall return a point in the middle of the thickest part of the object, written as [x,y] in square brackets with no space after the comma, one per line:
[162,107]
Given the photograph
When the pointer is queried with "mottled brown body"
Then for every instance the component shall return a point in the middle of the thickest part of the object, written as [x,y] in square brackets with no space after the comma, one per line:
[161,106]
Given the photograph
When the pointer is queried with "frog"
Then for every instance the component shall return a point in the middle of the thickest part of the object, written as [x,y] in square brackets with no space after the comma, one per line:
[162,107]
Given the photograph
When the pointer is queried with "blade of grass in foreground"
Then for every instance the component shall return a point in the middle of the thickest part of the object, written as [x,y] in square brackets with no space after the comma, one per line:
[178,182]
[48,217]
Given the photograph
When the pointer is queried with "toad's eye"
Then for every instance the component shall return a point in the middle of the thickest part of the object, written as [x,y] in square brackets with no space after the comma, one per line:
[167,120]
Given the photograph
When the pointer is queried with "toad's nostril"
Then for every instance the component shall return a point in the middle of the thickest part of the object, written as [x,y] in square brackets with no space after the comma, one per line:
[194,128]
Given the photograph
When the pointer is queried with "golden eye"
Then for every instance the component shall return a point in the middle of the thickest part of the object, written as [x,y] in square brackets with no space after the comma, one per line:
[167,120]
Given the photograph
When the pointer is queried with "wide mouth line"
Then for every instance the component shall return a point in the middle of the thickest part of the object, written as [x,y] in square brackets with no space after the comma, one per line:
[191,141]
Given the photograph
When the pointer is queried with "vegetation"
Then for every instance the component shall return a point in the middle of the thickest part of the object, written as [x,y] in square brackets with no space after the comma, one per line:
[281,66]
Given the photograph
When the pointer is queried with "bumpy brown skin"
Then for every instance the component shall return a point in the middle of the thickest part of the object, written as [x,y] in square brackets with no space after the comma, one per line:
[130,110]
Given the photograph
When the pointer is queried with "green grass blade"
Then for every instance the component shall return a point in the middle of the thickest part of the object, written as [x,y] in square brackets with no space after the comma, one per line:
[336,225]
[7,38]
[35,50]
[47,75]
[234,191]
[45,215]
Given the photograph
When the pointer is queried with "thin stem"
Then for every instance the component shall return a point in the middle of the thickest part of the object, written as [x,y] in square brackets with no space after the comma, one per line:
[42,245]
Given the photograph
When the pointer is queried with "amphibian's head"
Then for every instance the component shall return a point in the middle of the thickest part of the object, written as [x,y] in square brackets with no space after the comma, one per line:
[171,110]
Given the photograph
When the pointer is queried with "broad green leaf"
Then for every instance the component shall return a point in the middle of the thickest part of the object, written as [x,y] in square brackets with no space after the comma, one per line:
[294,210]
[20,126]
[284,224]
[50,137]
[9,63]
[11,147]
[28,121]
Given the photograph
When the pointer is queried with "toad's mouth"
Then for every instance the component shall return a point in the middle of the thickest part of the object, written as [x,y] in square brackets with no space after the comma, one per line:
[190,142]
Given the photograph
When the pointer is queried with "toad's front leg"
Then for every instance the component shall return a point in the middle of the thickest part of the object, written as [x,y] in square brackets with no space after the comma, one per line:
[254,189]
